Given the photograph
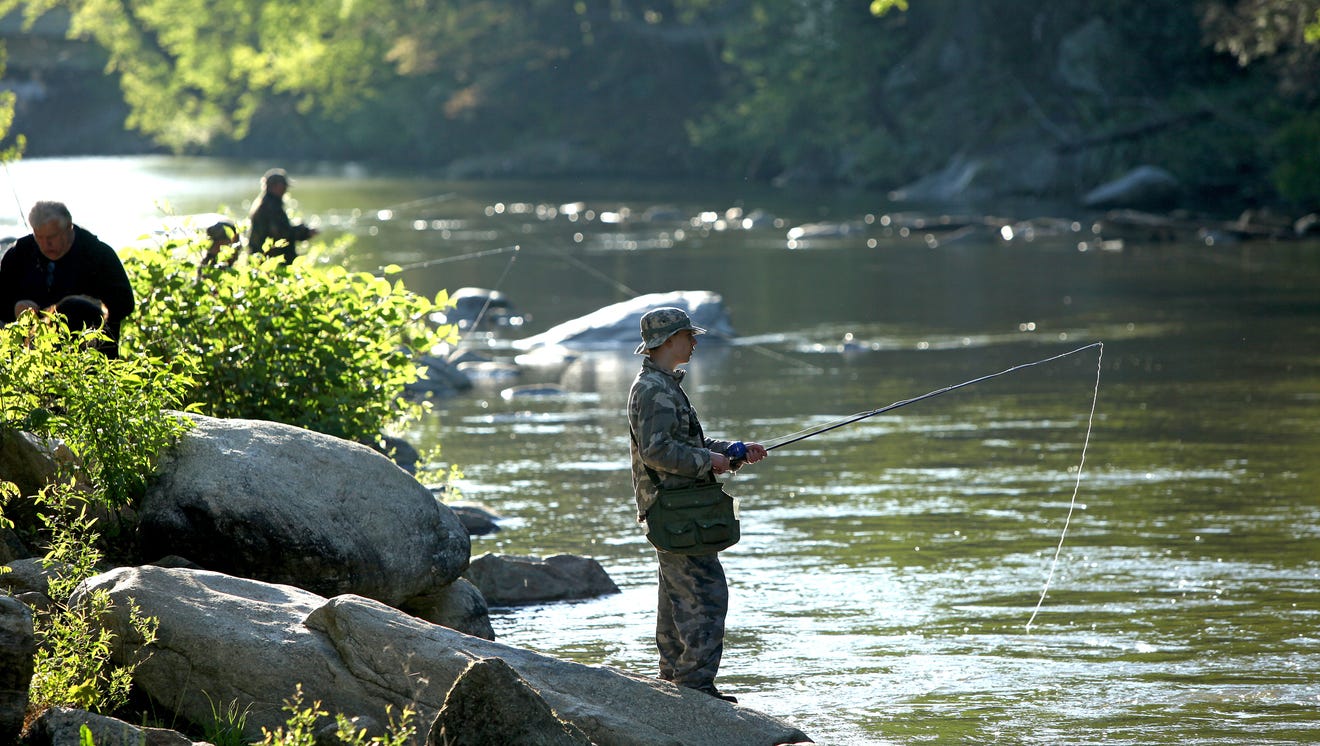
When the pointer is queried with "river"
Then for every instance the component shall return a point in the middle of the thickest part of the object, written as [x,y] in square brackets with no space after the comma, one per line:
[888,569]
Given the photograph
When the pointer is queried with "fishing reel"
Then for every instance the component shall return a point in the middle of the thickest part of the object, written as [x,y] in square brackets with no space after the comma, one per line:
[737,453]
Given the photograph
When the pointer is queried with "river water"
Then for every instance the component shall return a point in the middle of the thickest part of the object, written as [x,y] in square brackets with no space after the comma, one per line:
[888,569]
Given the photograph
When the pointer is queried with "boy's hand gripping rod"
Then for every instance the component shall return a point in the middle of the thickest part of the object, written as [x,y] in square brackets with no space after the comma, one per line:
[737,452]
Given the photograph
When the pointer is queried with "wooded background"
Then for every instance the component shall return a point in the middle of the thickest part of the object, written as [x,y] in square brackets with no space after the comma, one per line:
[1044,97]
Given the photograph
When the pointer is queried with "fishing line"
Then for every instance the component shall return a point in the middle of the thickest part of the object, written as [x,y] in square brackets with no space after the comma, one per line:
[480,314]
[1077,485]
[1072,504]
[383,214]
[595,272]
[447,259]
[418,202]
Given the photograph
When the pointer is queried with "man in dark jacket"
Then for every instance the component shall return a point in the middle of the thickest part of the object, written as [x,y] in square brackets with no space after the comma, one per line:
[272,232]
[58,260]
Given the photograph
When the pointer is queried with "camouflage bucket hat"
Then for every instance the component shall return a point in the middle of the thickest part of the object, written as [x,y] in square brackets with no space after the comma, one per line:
[662,323]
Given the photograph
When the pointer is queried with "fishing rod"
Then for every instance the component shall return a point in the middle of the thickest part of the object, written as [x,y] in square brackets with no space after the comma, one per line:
[395,268]
[491,297]
[385,214]
[737,452]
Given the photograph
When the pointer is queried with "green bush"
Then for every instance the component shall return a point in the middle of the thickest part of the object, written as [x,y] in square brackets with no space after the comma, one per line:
[108,412]
[114,417]
[309,344]
[301,727]
[73,666]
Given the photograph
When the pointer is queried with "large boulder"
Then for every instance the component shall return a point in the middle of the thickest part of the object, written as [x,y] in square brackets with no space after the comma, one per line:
[517,581]
[17,648]
[285,505]
[233,640]
[618,326]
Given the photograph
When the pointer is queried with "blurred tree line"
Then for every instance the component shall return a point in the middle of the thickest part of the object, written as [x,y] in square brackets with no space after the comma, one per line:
[1047,96]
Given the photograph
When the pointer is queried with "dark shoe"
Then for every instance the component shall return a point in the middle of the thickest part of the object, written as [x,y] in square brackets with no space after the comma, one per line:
[717,694]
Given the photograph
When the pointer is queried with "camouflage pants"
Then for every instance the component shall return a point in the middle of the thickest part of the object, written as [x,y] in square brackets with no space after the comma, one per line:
[689,630]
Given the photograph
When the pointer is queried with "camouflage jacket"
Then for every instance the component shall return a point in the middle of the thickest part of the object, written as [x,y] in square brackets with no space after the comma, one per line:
[666,435]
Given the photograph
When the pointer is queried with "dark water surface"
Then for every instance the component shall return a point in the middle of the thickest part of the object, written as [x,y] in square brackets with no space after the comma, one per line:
[888,569]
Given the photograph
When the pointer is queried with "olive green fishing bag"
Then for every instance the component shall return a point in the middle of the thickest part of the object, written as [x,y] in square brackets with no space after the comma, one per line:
[693,520]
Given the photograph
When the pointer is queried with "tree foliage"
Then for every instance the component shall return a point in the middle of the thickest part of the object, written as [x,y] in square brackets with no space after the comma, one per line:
[1284,33]
[867,92]
[309,344]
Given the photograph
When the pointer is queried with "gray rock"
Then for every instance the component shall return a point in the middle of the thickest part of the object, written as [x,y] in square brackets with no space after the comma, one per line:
[285,505]
[1142,187]
[60,726]
[27,576]
[11,547]
[224,639]
[26,460]
[440,378]
[328,734]
[953,181]
[17,648]
[488,686]
[618,326]
[516,581]
[477,519]
[458,606]
[30,463]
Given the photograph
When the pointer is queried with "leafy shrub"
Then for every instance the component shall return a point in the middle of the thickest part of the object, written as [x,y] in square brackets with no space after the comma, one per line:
[73,665]
[300,729]
[114,416]
[308,344]
[108,412]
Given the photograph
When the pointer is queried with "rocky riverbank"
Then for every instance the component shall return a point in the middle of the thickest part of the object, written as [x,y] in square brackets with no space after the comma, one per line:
[276,560]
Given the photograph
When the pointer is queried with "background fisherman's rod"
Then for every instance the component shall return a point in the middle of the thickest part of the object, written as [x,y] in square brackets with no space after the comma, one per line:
[384,214]
[848,420]
[484,306]
[13,188]
[762,349]
[396,268]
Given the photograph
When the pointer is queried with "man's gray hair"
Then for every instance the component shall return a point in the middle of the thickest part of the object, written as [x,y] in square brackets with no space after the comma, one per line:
[44,212]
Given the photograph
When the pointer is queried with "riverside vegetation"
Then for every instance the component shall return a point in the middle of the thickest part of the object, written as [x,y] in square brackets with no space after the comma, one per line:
[308,344]
[1047,98]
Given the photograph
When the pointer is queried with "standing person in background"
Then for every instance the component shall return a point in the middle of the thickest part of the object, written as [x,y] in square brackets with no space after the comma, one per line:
[58,260]
[272,232]
[668,441]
